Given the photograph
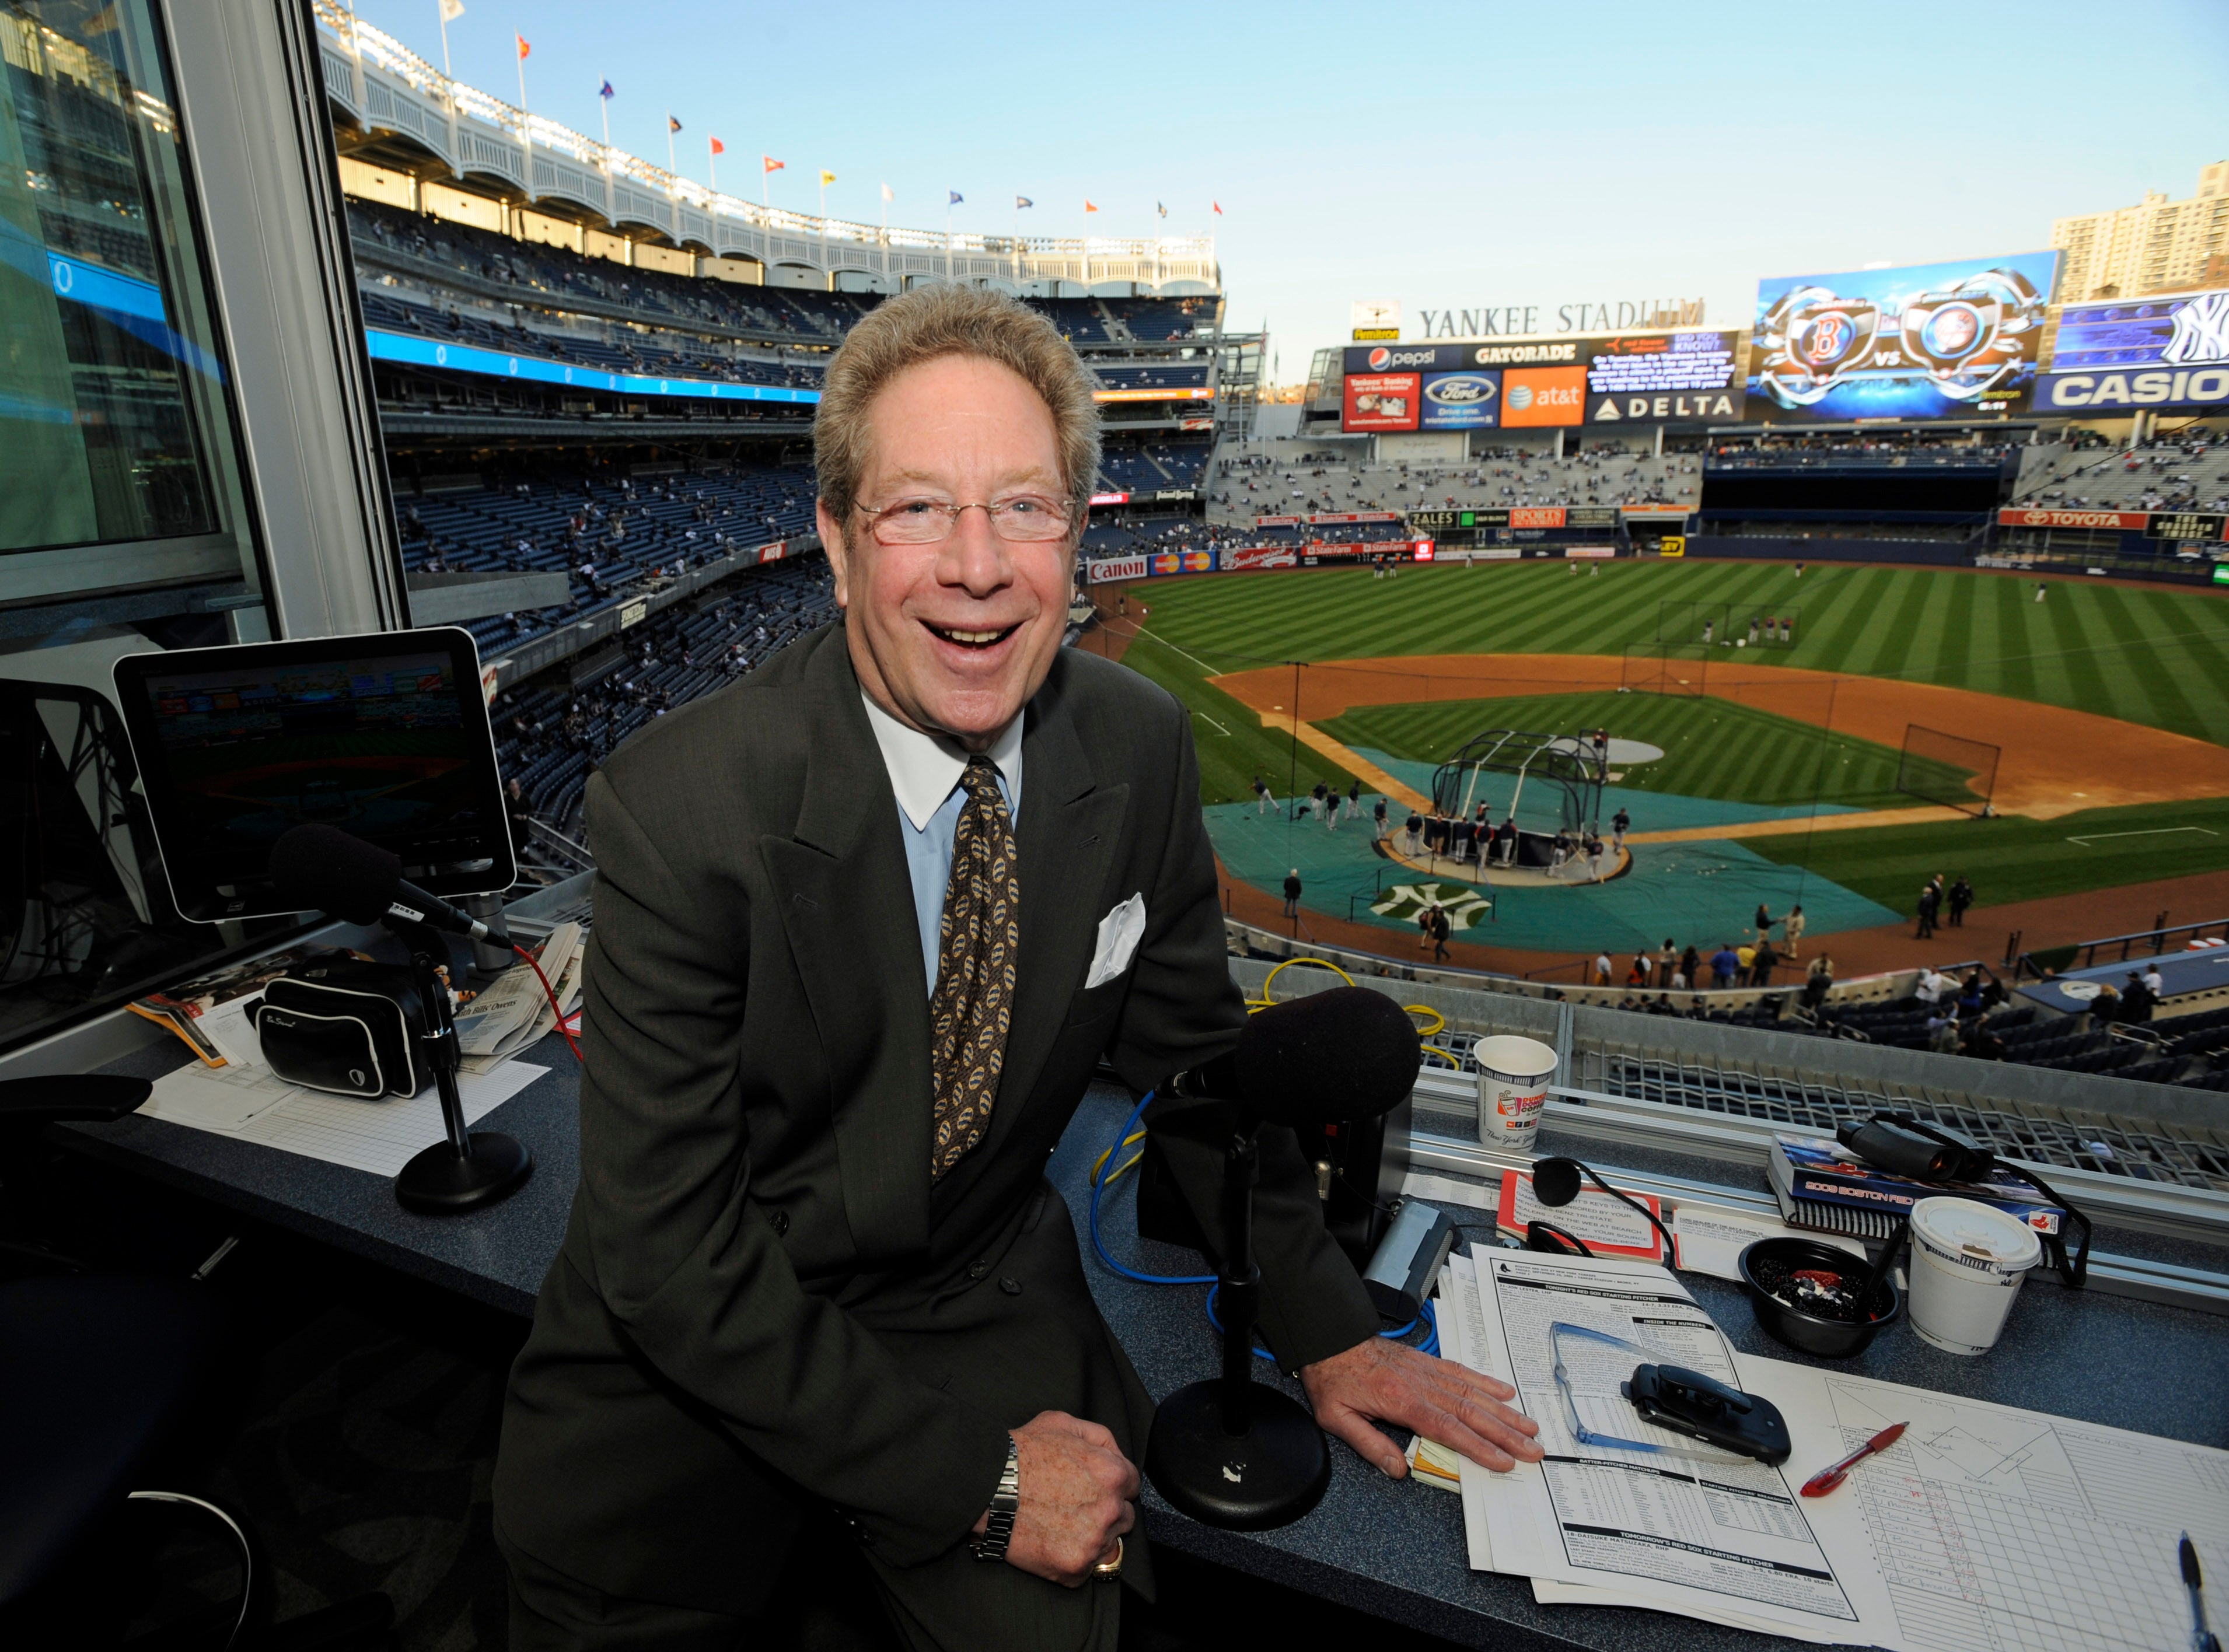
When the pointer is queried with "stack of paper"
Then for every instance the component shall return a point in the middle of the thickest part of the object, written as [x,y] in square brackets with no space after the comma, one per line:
[252,1104]
[1984,1525]
[208,1012]
[514,1011]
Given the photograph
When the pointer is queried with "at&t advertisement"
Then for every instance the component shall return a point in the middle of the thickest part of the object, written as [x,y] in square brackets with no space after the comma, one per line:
[1926,341]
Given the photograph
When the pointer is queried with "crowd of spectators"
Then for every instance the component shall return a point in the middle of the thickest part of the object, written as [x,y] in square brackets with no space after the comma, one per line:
[550,738]
[2185,470]
[611,536]
[1294,478]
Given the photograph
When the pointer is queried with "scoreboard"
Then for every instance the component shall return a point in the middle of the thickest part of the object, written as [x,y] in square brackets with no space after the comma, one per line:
[1658,376]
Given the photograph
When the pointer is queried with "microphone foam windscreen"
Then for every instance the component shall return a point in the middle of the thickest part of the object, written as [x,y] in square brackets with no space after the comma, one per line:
[1346,1053]
[1555,1181]
[323,866]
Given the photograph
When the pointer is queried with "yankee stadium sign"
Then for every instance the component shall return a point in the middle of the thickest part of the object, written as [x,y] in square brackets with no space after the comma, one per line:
[1495,321]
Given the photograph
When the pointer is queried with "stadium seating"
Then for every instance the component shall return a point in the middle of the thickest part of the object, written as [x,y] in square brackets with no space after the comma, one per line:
[608,536]
[549,738]
[2171,474]
[1298,477]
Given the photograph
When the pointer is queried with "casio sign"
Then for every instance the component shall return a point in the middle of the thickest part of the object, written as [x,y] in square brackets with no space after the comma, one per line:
[1461,390]
[1381,358]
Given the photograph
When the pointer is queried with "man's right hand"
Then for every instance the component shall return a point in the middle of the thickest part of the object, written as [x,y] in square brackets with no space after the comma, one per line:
[1078,1493]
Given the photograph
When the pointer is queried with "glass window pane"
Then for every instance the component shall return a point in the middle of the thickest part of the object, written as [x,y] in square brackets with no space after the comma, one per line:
[114,421]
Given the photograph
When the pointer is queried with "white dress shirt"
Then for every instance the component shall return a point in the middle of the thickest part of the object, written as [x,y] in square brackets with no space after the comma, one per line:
[925,771]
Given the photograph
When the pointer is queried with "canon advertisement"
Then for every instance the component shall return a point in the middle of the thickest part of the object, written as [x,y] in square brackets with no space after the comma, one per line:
[2169,352]
[1926,341]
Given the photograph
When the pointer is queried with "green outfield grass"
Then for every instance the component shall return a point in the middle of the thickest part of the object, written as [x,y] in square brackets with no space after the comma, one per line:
[1233,745]
[2011,858]
[2156,655]
[1713,748]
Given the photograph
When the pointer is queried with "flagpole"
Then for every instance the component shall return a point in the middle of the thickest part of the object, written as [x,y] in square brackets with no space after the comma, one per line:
[525,138]
[448,100]
[712,163]
[671,166]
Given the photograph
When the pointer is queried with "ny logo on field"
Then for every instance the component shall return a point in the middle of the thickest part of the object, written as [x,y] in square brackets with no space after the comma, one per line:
[2201,331]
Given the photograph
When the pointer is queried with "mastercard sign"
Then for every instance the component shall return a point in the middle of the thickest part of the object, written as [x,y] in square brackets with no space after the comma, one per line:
[1544,395]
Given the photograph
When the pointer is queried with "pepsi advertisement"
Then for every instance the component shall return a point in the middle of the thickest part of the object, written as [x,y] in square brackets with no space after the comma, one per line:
[1469,400]
[1921,341]
[2170,350]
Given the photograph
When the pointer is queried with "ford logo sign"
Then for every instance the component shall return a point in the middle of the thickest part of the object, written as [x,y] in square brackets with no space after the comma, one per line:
[1461,390]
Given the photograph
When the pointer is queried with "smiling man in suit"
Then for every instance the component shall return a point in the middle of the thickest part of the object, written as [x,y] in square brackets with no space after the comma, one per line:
[865,924]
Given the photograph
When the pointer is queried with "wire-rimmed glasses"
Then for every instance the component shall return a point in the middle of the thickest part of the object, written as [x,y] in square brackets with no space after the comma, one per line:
[1020,519]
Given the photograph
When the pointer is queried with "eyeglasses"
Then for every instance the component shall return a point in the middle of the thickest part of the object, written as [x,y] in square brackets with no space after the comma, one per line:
[1023,519]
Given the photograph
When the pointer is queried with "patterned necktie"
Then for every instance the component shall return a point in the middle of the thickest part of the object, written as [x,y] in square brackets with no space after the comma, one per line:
[979,936]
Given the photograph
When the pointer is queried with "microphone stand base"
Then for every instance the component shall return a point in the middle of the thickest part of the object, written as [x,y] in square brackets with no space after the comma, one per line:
[441,1180]
[1270,1476]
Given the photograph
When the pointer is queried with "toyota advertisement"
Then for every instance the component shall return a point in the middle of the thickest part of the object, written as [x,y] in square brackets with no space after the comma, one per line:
[2171,351]
[1925,340]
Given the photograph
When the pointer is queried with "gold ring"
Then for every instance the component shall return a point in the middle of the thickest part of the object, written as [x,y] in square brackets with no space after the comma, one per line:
[1110,1568]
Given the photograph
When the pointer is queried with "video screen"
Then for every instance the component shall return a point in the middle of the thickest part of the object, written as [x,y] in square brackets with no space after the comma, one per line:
[247,744]
[1923,341]
[2166,350]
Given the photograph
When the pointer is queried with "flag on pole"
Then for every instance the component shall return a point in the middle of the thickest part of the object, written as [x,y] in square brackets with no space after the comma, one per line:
[1088,207]
[604,91]
[826,178]
[1021,201]
[452,9]
[955,198]
[770,163]
[671,124]
[887,195]
[1161,209]
[1218,205]
[719,148]
[524,48]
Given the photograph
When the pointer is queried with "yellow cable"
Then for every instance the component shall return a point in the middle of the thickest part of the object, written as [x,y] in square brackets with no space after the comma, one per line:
[1434,1049]
[1128,1141]
[1439,1022]
[1254,1005]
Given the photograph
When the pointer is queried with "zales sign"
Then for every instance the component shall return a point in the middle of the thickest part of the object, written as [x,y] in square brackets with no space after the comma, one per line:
[1495,320]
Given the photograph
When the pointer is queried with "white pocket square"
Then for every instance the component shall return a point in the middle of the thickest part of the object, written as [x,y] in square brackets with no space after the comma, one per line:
[1118,938]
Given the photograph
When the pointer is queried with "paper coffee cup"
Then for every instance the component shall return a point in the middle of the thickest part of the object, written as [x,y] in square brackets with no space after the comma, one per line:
[1513,1076]
[1968,1260]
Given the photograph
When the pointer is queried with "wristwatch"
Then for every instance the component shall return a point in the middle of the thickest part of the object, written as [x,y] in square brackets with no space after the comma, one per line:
[998,1530]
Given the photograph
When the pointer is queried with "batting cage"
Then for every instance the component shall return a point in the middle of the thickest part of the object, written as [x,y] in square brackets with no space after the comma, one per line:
[1726,625]
[1948,769]
[1665,667]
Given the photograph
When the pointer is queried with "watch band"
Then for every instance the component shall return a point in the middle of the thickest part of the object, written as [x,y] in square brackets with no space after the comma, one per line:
[1006,1502]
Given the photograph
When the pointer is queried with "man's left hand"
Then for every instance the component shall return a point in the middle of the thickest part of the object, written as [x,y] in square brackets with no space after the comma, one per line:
[1446,1403]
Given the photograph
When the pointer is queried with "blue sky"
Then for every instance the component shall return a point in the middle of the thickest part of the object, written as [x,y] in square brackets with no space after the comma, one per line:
[1461,156]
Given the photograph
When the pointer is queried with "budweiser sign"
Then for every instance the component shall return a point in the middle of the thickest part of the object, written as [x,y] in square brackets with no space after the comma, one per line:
[2126,522]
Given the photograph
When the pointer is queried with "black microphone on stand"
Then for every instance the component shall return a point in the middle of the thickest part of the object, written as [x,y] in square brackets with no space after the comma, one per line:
[1230,1451]
[322,868]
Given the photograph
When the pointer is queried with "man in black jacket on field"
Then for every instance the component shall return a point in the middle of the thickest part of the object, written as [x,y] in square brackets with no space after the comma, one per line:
[865,923]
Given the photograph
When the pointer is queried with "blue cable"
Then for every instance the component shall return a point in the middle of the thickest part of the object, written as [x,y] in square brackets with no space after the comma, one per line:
[1099,1186]
[1430,1345]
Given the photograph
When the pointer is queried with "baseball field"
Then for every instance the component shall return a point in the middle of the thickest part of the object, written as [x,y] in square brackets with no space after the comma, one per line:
[1780,744]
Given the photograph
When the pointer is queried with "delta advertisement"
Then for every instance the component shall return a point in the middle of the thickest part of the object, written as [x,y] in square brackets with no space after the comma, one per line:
[1923,341]
[2165,352]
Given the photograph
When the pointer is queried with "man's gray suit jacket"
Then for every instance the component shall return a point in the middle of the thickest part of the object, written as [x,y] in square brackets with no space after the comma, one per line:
[762,1302]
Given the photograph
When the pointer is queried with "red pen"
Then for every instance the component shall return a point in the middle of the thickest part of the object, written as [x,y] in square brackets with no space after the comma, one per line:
[1832,1475]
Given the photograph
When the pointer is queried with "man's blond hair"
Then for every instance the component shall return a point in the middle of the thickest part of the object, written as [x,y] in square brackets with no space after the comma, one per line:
[947,319]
